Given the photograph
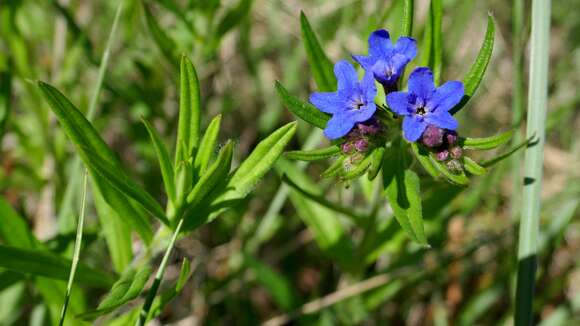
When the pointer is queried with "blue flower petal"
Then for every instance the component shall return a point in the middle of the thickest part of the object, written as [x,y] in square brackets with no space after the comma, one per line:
[398,102]
[362,114]
[368,87]
[421,83]
[406,46]
[442,119]
[413,128]
[366,62]
[345,74]
[328,102]
[338,126]
[380,43]
[446,96]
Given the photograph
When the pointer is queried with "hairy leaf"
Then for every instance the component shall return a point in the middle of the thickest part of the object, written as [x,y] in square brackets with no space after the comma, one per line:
[207,145]
[313,155]
[487,142]
[304,111]
[321,67]
[188,129]
[164,161]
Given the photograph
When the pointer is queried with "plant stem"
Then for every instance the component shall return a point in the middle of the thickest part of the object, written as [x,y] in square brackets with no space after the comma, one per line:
[529,220]
[158,278]
[77,250]
[517,100]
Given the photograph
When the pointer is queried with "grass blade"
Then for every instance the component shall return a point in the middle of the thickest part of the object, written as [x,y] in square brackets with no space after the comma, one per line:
[77,249]
[531,200]
[321,66]
[407,22]
[437,63]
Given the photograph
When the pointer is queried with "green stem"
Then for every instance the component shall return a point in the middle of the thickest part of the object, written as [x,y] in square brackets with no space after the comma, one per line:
[531,200]
[517,100]
[77,250]
[158,278]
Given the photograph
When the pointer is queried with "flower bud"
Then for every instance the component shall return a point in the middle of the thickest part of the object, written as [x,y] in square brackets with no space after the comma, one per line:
[451,137]
[454,166]
[361,145]
[456,152]
[347,148]
[432,136]
[442,155]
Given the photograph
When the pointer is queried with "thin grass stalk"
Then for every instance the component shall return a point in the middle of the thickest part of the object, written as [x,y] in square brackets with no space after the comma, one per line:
[73,185]
[144,313]
[531,201]
[517,99]
[77,250]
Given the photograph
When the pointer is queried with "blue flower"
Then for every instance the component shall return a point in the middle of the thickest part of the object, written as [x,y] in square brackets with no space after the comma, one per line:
[353,102]
[424,104]
[385,60]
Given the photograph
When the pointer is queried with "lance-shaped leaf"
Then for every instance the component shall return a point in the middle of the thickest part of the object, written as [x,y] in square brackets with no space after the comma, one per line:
[233,17]
[258,163]
[472,167]
[188,129]
[44,263]
[165,44]
[303,110]
[90,145]
[215,174]
[359,169]
[507,154]
[321,67]
[402,189]
[376,163]
[281,289]
[423,157]
[487,142]
[335,168]
[313,155]
[475,75]
[127,288]
[207,145]
[459,178]
[164,161]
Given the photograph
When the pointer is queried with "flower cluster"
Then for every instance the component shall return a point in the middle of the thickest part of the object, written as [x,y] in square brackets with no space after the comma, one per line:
[423,108]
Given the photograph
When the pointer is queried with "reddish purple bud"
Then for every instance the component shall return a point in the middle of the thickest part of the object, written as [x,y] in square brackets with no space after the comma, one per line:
[456,152]
[369,128]
[443,155]
[347,148]
[451,137]
[433,136]
[361,145]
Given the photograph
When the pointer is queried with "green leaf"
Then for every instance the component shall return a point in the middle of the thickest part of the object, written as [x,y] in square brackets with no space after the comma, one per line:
[313,155]
[14,230]
[488,142]
[423,156]
[276,284]
[475,75]
[472,167]
[359,169]
[407,22]
[233,17]
[165,44]
[376,163]
[322,69]
[189,125]
[402,189]
[458,178]
[44,263]
[165,297]
[215,174]
[258,163]
[335,168]
[304,111]
[117,233]
[127,288]
[84,136]
[164,161]
[507,154]
[207,145]
[123,183]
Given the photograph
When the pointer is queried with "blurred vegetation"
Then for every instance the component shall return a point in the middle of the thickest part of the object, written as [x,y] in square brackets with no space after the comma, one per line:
[280,253]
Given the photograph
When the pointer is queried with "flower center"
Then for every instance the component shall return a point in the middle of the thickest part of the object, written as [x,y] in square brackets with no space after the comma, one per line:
[421,111]
[357,103]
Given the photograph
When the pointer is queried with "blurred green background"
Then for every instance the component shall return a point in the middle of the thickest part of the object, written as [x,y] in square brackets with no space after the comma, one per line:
[280,254]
